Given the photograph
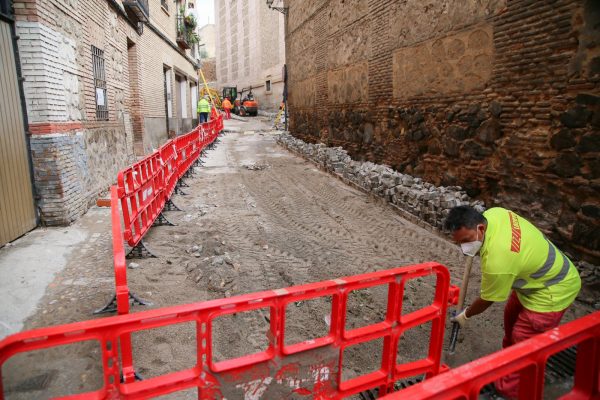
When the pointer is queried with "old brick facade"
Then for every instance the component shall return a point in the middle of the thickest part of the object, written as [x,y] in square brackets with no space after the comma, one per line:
[501,97]
[251,49]
[77,152]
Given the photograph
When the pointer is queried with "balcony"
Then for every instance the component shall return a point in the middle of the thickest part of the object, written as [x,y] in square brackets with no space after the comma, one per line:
[137,10]
[186,32]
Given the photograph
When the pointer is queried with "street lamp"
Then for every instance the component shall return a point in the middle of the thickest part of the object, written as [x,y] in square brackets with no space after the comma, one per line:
[283,10]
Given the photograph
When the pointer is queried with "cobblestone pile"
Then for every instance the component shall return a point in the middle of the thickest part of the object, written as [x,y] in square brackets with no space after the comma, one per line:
[422,199]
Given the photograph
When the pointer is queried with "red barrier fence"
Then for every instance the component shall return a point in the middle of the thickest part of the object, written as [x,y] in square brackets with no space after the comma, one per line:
[312,367]
[186,153]
[168,155]
[145,187]
[529,358]
[120,266]
[141,189]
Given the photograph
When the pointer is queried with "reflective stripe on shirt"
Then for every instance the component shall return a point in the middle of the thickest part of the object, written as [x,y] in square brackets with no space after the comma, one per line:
[544,269]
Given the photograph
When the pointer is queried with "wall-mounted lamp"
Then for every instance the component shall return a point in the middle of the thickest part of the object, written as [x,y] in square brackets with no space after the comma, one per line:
[283,10]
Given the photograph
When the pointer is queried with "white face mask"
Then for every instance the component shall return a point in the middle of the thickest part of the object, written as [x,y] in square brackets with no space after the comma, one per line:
[471,248]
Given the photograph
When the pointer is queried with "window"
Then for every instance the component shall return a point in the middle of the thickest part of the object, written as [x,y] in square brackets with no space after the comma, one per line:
[164,4]
[100,84]
[5,8]
[268,85]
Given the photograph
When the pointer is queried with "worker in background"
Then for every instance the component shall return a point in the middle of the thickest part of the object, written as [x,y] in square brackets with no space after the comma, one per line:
[518,263]
[227,107]
[203,109]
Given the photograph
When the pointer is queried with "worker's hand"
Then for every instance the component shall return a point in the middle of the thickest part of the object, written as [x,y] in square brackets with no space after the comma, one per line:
[461,318]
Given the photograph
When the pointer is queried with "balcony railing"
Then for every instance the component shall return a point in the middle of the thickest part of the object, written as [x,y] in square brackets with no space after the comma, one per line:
[137,9]
[186,36]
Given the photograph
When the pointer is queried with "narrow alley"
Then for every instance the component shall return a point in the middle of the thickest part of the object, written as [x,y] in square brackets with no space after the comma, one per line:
[328,199]
[255,217]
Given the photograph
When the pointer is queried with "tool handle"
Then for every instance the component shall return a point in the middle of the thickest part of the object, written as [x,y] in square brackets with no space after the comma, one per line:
[465,283]
[454,337]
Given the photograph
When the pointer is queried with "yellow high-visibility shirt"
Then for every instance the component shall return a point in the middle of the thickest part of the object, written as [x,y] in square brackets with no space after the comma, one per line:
[516,255]
[203,106]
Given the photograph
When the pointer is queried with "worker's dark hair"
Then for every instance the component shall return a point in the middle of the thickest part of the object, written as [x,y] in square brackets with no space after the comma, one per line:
[463,216]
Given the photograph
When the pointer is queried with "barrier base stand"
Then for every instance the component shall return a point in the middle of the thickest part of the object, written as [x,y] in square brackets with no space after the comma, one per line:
[111,306]
[372,394]
[179,191]
[181,182]
[189,173]
[170,206]
[136,376]
[162,220]
[140,251]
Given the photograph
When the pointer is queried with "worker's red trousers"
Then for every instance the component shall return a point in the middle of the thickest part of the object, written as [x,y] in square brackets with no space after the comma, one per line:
[227,113]
[521,324]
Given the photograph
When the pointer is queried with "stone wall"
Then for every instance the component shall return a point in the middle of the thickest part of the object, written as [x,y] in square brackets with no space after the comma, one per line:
[500,98]
[209,69]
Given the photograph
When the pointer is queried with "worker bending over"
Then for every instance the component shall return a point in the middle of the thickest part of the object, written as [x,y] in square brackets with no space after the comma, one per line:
[518,263]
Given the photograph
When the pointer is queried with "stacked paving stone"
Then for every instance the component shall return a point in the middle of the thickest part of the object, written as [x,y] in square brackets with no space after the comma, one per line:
[422,199]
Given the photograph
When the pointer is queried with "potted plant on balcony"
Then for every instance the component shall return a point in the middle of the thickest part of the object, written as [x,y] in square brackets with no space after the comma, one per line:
[190,21]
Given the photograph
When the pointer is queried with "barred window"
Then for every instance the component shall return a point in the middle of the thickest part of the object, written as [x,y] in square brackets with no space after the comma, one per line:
[100,84]
[164,4]
[5,8]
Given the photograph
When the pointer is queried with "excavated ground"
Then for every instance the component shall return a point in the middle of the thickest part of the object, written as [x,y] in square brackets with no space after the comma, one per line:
[255,218]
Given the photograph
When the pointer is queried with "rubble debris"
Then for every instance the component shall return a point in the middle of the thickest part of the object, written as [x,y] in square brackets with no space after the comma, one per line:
[424,200]
[257,167]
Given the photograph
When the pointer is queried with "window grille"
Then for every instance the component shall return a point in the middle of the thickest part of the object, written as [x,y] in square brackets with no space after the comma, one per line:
[100,84]
[164,4]
[268,85]
[5,8]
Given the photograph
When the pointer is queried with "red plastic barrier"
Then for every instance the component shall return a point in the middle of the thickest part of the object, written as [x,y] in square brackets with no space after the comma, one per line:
[309,368]
[184,145]
[203,135]
[121,288]
[168,155]
[141,191]
[529,358]
[219,122]
[120,266]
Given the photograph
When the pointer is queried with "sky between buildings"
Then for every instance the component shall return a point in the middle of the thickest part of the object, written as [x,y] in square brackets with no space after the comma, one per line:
[206,12]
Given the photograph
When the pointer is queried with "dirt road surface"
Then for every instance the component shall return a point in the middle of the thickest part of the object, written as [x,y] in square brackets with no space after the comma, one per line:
[255,218]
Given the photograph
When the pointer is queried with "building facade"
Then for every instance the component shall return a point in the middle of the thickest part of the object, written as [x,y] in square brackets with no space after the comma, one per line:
[208,40]
[208,61]
[105,81]
[499,97]
[251,50]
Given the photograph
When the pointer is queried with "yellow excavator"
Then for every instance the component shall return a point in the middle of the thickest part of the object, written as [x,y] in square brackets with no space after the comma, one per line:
[213,94]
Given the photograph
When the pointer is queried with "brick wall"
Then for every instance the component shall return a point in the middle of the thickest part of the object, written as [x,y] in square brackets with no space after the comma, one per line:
[75,155]
[500,97]
[209,69]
